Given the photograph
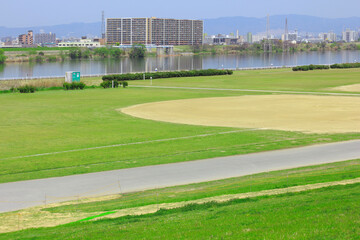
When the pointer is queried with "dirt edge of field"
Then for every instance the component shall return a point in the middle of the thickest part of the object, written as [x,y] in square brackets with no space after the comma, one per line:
[347,88]
[37,217]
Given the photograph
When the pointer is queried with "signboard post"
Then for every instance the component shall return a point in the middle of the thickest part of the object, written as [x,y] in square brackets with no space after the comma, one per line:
[72,77]
[76,76]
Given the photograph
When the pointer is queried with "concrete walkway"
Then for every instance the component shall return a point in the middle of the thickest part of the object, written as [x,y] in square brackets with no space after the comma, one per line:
[19,195]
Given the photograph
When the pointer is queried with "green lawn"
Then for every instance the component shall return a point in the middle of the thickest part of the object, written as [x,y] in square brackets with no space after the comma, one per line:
[328,213]
[279,79]
[57,121]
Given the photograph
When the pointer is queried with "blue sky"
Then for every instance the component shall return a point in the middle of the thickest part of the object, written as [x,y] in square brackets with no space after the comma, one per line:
[25,13]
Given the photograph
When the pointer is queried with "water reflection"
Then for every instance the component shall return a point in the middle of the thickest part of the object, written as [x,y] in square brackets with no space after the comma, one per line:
[125,65]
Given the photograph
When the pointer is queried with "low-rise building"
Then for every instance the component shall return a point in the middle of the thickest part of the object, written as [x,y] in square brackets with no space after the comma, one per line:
[82,43]
[27,39]
[221,40]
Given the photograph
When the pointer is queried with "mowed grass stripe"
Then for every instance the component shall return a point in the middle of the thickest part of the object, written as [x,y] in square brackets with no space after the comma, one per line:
[134,143]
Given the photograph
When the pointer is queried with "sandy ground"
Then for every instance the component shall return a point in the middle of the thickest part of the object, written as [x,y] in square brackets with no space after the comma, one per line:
[38,217]
[305,113]
[348,88]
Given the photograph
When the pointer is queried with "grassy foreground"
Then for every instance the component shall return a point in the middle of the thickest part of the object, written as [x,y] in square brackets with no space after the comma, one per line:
[327,213]
[58,121]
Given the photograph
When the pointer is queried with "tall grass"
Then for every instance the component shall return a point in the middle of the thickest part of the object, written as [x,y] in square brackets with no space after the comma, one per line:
[38,83]
[45,82]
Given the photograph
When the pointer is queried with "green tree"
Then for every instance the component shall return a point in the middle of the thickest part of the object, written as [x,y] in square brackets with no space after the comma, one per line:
[2,56]
[75,53]
[86,53]
[116,52]
[137,51]
[102,52]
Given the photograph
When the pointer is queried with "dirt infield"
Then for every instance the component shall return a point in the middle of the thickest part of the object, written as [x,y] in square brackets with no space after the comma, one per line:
[348,88]
[305,113]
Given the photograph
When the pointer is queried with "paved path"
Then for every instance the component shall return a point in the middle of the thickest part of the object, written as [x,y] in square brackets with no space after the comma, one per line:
[18,195]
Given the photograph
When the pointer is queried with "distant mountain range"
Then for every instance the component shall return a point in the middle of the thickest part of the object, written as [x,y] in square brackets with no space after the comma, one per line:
[223,25]
[302,23]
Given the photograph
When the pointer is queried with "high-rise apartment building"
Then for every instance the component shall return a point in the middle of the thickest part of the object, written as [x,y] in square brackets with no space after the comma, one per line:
[349,36]
[158,31]
[42,38]
[332,37]
[249,37]
[27,39]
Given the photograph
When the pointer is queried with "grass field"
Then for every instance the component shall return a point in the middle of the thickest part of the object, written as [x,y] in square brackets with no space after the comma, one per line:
[332,211]
[59,133]
[279,79]
[58,121]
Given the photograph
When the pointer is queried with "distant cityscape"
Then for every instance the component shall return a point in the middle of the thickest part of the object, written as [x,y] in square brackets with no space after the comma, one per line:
[161,31]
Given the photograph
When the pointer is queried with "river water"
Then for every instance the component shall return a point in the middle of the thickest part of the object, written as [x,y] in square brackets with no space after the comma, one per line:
[125,65]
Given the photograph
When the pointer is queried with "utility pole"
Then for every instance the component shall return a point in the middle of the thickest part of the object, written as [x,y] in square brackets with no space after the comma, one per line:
[267,41]
[103,25]
[286,37]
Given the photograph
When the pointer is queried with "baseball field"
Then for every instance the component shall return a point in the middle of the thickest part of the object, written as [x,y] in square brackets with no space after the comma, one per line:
[61,133]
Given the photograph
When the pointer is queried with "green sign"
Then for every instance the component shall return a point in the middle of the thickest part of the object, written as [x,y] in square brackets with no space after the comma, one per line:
[76,76]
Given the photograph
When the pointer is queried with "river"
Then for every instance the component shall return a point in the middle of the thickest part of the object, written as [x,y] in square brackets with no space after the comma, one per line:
[125,65]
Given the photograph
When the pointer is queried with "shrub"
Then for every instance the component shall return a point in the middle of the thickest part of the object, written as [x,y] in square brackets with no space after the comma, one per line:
[75,53]
[2,56]
[156,75]
[310,67]
[346,65]
[108,84]
[27,89]
[74,85]
[66,86]
[39,59]
[125,84]
[13,89]
[137,51]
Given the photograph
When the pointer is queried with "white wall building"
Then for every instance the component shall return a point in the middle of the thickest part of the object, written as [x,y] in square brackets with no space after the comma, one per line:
[82,43]
[349,36]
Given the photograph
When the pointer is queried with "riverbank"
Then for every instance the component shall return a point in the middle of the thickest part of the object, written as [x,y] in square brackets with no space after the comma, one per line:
[98,66]
[15,55]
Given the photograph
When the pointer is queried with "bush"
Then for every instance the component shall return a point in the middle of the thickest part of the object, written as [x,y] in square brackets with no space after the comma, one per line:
[74,85]
[27,89]
[346,65]
[156,75]
[125,84]
[52,58]
[310,67]
[2,56]
[39,59]
[108,84]
[75,53]
[137,51]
